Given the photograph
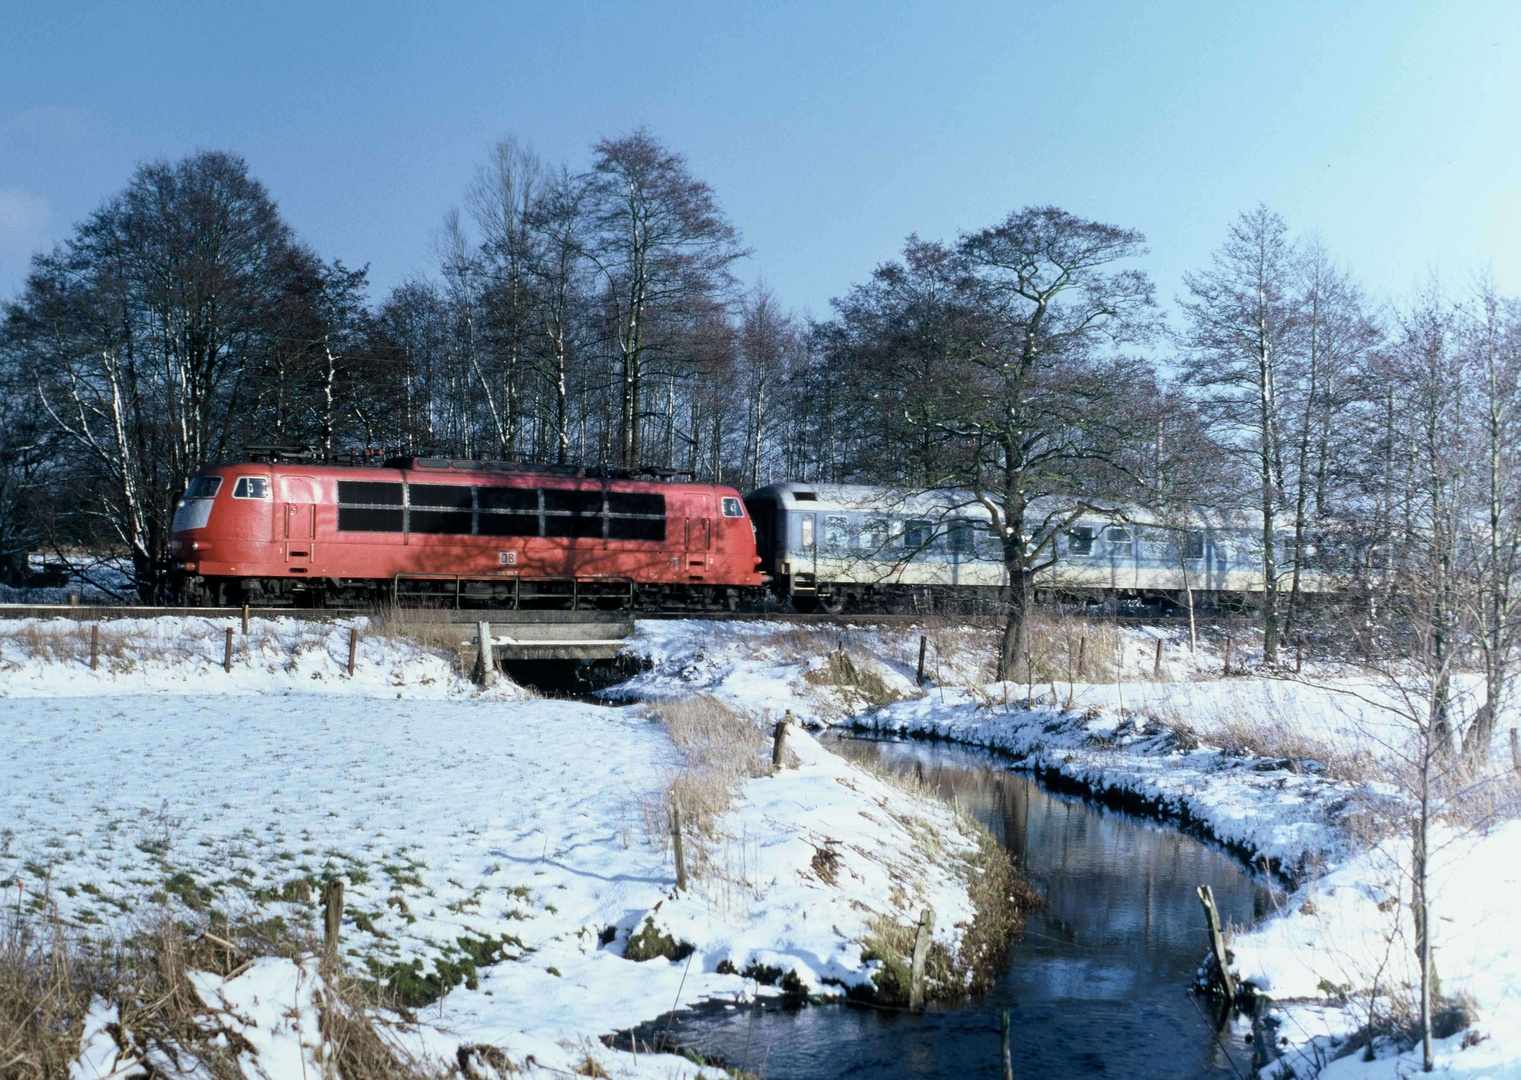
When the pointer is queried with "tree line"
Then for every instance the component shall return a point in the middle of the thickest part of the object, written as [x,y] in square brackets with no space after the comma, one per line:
[594,316]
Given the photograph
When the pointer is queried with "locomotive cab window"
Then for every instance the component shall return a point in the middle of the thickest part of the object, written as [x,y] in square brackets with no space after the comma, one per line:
[1080,540]
[203,487]
[251,487]
[732,507]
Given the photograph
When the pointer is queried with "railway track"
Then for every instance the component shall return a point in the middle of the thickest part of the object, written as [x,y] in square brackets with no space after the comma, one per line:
[94,612]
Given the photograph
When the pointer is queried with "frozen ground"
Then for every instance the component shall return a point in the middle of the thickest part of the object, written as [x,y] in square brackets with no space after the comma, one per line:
[1308,811]
[464,823]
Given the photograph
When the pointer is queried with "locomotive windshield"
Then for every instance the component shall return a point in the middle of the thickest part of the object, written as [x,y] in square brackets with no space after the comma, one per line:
[203,487]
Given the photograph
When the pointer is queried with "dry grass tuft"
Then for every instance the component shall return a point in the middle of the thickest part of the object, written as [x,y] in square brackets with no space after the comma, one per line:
[858,684]
[1265,729]
[49,976]
[1068,649]
[721,749]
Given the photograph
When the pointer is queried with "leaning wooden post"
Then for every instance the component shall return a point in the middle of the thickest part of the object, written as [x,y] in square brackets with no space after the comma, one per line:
[923,644]
[681,855]
[227,652]
[921,954]
[332,922]
[1008,1061]
[485,662]
[95,646]
[353,648]
[1156,665]
[245,619]
[779,740]
[1217,942]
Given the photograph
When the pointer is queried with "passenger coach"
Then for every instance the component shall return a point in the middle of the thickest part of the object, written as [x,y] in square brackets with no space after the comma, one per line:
[840,546]
[466,533]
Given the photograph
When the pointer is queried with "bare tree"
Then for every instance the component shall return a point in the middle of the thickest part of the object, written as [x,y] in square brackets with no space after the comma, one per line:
[1243,319]
[1050,411]
[137,335]
[658,240]
[1491,336]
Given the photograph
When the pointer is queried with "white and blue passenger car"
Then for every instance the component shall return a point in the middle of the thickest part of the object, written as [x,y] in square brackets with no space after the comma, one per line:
[840,546]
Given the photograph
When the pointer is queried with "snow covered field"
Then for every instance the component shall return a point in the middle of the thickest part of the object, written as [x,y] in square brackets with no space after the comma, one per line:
[465,820]
[468,826]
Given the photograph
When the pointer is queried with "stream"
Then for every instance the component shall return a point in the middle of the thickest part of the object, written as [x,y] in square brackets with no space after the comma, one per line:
[1097,986]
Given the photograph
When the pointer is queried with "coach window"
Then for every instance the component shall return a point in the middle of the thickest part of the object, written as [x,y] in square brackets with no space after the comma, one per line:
[251,487]
[1193,545]
[1080,540]
[732,507]
[1119,543]
[873,535]
[836,533]
[918,535]
[960,538]
[807,540]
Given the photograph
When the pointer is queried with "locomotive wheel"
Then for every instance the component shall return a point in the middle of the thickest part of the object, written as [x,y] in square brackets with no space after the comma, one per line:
[832,604]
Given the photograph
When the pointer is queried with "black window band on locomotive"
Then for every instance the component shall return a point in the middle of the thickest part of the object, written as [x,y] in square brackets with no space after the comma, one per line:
[461,510]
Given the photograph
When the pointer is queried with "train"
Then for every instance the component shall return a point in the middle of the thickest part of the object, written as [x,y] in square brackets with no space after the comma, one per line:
[437,531]
[446,532]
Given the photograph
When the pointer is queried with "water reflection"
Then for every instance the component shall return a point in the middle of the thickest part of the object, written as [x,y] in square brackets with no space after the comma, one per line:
[1098,986]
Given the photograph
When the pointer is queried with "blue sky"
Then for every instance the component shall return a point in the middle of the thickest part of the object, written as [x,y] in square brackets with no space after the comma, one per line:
[830,131]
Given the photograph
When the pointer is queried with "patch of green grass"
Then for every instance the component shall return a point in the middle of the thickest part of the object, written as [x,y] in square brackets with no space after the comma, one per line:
[649,943]
[409,985]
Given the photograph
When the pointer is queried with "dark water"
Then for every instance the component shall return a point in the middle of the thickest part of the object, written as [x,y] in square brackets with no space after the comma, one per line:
[1097,987]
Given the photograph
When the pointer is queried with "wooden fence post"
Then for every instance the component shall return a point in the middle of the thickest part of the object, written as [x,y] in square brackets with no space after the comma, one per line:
[1515,752]
[923,644]
[1156,666]
[332,922]
[353,648]
[485,661]
[1217,942]
[921,954]
[779,740]
[245,619]
[227,652]
[1298,656]
[1227,656]
[1008,1061]
[681,855]
[1082,654]
[95,646]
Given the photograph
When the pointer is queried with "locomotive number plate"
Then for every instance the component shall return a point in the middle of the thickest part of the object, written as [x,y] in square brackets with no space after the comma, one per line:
[507,558]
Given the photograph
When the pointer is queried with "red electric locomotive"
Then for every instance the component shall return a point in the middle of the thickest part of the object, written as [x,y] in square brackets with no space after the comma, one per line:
[465,533]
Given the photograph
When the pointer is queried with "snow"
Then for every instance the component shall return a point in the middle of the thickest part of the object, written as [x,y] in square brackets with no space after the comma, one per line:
[1340,926]
[497,815]
[453,814]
